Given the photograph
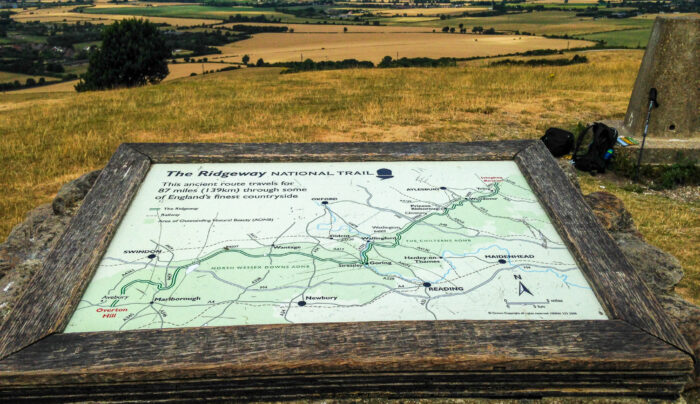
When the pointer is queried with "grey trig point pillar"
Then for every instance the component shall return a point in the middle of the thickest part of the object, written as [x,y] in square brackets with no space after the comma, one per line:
[671,64]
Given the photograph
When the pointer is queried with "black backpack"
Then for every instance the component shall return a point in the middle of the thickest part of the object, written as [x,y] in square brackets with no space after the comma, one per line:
[558,141]
[601,139]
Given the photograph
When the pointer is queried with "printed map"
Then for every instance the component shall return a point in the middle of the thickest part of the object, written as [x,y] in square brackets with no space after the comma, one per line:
[266,243]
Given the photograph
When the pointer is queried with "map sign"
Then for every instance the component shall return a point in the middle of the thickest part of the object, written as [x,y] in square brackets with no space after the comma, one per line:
[268,243]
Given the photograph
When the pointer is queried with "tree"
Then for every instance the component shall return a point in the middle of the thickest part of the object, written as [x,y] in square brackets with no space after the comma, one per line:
[260,63]
[345,29]
[445,29]
[245,59]
[133,53]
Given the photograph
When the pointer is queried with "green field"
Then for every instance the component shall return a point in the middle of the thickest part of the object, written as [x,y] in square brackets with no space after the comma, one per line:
[542,22]
[628,38]
[190,11]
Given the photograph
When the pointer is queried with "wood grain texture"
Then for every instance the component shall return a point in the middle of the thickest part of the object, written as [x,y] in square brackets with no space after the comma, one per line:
[248,152]
[55,290]
[640,353]
[615,282]
[509,357]
[374,386]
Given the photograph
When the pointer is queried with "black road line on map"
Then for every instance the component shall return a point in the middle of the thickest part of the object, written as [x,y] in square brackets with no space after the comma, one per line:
[159,315]
[204,245]
[493,276]
[239,295]
[313,262]
[206,239]
[133,318]
[124,276]
[167,266]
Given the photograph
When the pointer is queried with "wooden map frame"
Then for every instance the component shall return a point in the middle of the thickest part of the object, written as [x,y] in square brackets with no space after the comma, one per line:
[638,351]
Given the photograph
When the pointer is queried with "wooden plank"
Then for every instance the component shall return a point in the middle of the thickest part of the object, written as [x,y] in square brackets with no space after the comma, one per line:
[615,282]
[341,348]
[249,152]
[399,385]
[55,290]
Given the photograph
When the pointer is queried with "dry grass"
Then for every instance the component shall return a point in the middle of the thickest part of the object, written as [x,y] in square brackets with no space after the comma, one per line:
[374,46]
[672,225]
[45,142]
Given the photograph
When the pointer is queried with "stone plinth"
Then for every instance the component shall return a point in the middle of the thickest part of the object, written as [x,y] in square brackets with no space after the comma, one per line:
[671,64]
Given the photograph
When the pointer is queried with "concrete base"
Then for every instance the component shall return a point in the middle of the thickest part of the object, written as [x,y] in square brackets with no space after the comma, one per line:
[657,150]
[663,151]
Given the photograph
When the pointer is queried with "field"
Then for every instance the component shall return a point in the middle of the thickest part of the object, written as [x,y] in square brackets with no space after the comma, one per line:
[428,12]
[177,71]
[542,22]
[374,46]
[64,14]
[188,11]
[64,86]
[628,38]
[338,28]
[6,77]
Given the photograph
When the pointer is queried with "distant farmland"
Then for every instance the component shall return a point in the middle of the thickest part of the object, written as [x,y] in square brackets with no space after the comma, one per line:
[374,46]
[189,11]
[541,22]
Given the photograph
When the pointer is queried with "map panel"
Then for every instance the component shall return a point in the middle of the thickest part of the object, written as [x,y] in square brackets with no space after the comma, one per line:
[267,243]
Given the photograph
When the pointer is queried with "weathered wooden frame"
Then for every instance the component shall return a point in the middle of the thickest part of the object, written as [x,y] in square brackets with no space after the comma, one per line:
[637,352]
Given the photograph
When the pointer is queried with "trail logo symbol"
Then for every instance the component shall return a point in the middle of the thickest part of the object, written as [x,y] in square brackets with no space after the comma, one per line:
[384,173]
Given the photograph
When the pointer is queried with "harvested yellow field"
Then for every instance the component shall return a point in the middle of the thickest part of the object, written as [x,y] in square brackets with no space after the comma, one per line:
[7,77]
[34,14]
[177,71]
[562,2]
[428,12]
[62,87]
[273,47]
[174,21]
[62,14]
[180,70]
[338,28]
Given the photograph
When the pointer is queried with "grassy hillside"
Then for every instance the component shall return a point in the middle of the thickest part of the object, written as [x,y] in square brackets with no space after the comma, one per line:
[48,139]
